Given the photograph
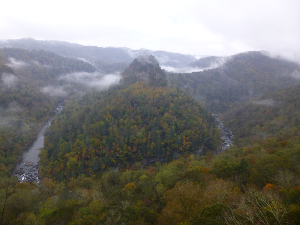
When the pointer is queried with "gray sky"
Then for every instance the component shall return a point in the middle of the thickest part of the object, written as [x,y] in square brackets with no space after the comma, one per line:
[210,27]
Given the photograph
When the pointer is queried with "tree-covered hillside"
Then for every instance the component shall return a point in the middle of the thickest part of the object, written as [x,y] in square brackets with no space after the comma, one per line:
[254,185]
[240,78]
[125,125]
[272,114]
[24,106]
[94,164]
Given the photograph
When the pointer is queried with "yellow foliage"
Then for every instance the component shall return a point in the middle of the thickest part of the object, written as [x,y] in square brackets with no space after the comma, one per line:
[130,186]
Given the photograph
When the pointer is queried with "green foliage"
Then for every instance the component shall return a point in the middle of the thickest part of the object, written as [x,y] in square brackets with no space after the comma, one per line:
[242,77]
[225,168]
[271,115]
[122,126]
[95,148]
[23,107]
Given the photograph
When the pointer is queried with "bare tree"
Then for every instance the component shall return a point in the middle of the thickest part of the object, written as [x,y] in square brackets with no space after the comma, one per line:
[256,207]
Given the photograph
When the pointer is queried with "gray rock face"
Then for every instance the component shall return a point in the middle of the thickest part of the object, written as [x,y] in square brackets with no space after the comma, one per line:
[148,59]
[144,68]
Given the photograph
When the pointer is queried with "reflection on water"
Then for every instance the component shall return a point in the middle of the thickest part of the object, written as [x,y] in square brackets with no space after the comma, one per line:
[27,170]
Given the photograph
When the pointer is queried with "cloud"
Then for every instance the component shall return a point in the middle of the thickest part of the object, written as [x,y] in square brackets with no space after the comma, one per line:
[190,69]
[16,64]
[7,121]
[195,27]
[9,80]
[182,70]
[105,81]
[9,115]
[271,25]
[93,80]
[14,108]
[85,80]
[54,91]
[295,74]
[40,65]
[265,102]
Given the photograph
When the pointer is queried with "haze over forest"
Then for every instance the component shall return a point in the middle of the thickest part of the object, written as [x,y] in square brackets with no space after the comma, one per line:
[144,113]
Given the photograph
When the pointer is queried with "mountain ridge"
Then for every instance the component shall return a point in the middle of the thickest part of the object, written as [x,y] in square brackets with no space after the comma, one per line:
[93,53]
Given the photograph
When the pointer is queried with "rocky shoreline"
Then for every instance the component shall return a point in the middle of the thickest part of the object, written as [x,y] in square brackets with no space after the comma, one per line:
[226,135]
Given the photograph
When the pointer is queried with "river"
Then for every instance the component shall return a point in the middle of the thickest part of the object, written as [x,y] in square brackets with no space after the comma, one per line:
[27,169]
[226,135]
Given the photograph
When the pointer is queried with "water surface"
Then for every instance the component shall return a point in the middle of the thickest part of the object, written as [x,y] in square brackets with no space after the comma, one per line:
[27,169]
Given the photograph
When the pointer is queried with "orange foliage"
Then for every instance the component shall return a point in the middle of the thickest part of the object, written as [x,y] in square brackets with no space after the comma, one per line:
[151,171]
[205,169]
[269,186]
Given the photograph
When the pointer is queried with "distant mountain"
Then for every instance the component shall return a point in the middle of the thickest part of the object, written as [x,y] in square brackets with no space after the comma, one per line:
[145,68]
[208,62]
[93,54]
[110,67]
[240,78]
[204,63]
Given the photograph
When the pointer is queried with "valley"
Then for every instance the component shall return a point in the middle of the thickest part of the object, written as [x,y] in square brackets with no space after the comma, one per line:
[120,140]
[27,169]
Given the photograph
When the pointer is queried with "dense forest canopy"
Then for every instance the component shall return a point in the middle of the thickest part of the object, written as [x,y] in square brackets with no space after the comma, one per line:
[130,155]
[240,78]
[272,114]
[125,125]
[24,106]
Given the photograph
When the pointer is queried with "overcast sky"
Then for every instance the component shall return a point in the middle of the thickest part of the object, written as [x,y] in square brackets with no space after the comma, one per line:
[198,27]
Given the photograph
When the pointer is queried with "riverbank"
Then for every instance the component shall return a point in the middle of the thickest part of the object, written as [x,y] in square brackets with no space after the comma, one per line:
[26,167]
[226,135]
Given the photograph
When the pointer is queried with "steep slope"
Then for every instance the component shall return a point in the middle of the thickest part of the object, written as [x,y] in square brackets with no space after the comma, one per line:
[240,78]
[270,115]
[144,68]
[24,104]
[127,124]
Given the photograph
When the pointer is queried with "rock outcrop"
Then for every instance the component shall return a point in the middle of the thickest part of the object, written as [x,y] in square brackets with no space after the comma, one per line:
[144,68]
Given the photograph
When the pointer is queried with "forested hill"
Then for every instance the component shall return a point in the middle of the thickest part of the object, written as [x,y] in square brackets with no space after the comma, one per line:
[270,115]
[94,161]
[126,124]
[241,77]
[30,89]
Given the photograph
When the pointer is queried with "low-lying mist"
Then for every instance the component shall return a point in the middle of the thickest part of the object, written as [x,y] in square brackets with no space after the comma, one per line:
[79,82]
[16,64]
[182,70]
[9,80]
[194,68]
[9,115]
[265,102]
